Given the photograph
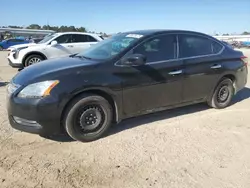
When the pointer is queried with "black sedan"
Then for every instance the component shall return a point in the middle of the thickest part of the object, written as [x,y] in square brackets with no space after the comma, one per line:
[124,76]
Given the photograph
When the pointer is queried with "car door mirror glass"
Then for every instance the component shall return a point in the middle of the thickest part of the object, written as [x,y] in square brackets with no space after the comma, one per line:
[54,43]
[134,60]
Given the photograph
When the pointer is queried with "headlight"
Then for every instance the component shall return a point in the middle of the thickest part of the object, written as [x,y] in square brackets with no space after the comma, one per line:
[11,88]
[18,49]
[39,89]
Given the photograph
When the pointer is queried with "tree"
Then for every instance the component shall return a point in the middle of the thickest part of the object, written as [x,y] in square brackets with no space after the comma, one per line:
[16,27]
[246,33]
[81,29]
[61,28]
[34,26]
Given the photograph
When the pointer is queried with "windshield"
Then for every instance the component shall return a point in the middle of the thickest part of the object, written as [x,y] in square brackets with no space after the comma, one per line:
[47,38]
[110,47]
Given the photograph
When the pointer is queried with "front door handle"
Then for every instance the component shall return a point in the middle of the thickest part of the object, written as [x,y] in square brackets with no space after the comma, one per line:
[175,72]
[70,46]
[216,66]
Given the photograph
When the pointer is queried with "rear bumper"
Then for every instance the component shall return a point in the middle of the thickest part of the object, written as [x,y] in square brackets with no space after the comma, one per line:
[241,78]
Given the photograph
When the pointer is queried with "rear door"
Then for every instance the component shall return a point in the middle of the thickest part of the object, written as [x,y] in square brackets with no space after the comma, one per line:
[201,57]
[156,84]
[81,42]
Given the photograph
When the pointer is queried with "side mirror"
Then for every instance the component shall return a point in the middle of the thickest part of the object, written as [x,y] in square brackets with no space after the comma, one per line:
[135,60]
[54,43]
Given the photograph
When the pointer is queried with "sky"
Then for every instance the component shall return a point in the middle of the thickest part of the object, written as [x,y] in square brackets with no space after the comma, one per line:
[111,16]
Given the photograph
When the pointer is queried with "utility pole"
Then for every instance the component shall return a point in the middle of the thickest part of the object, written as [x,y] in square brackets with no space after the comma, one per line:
[47,24]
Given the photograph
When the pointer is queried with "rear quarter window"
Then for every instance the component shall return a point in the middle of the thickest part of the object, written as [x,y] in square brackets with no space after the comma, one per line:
[216,47]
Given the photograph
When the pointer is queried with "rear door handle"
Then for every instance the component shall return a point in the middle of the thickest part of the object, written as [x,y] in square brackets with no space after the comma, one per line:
[70,46]
[216,66]
[175,72]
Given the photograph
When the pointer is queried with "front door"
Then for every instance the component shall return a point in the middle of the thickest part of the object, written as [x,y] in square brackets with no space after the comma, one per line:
[64,47]
[81,42]
[156,84]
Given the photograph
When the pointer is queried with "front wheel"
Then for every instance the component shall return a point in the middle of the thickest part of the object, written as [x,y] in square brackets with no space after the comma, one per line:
[222,95]
[88,118]
[1,48]
[32,59]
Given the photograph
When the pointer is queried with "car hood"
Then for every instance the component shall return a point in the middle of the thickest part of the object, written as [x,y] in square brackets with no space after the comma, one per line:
[22,45]
[51,69]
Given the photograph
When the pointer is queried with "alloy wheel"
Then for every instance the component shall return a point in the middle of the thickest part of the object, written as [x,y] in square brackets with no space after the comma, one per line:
[34,60]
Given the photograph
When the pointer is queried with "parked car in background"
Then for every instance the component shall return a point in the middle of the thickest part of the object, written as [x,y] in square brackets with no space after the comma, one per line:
[52,46]
[36,40]
[228,44]
[124,76]
[246,44]
[5,44]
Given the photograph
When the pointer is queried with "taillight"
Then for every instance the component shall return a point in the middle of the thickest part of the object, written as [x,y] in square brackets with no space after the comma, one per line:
[245,60]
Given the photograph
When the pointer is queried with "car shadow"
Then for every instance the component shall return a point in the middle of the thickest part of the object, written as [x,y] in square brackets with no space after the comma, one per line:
[167,114]
[2,84]
[158,116]
[241,95]
[59,138]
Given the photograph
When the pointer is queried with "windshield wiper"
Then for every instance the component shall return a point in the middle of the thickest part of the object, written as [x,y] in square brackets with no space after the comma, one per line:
[81,56]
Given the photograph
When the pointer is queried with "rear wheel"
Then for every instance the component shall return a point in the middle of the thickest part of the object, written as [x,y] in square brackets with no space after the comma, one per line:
[88,118]
[32,59]
[222,95]
[1,48]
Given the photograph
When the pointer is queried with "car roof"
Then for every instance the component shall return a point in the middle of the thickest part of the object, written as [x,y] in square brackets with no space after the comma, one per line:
[81,33]
[158,31]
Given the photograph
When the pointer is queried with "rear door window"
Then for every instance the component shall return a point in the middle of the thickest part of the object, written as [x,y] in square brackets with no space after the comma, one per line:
[193,46]
[82,38]
[67,38]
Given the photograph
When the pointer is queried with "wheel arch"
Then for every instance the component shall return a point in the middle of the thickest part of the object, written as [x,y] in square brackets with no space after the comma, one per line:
[33,53]
[96,91]
[231,76]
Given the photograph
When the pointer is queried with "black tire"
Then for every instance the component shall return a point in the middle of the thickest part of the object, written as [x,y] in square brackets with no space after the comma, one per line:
[77,119]
[222,95]
[28,60]
[1,48]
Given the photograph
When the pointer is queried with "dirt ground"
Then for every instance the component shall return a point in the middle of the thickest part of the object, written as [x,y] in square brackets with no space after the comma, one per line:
[190,147]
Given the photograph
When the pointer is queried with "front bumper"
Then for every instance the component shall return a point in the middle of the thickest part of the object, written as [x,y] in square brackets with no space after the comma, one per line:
[14,62]
[13,65]
[37,116]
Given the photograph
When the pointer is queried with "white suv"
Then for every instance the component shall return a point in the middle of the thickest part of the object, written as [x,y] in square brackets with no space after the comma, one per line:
[52,46]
